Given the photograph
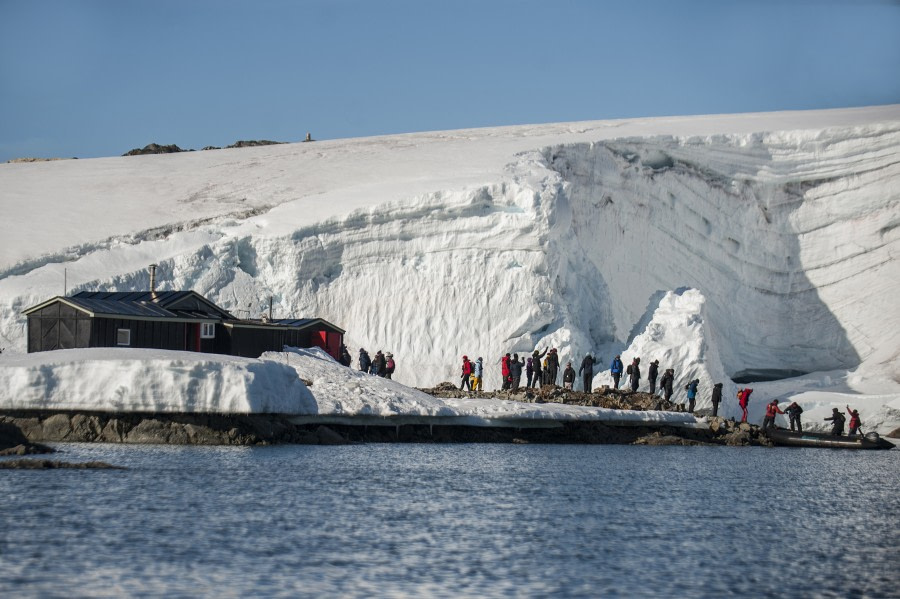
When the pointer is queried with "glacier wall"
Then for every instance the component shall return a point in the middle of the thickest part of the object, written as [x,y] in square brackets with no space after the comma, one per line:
[790,238]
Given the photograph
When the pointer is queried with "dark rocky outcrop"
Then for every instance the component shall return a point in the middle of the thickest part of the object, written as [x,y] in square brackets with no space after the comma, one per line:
[14,442]
[254,142]
[154,149]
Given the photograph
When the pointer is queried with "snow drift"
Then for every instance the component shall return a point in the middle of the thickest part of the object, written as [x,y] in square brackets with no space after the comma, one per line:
[583,236]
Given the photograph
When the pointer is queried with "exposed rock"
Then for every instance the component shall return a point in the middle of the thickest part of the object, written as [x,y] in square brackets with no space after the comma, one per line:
[149,430]
[327,436]
[21,160]
[56,428]
[114,431]
[154,148]
[254,142]
[211,148]
[894,434]
[85,428]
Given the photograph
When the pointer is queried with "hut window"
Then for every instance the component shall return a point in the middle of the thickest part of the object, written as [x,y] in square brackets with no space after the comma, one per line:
[208,330]
[123,337]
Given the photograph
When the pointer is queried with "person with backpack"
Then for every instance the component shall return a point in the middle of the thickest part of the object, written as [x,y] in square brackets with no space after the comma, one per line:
[504,371]
[716,398]
[652,373]
[477,374]
[634,374]
[772,410]
[364,360]
[379,364]
[692,394]
[345,360]
[587,371]
[615,369]
[552,366]
[743,396]
[855,422]
[515,373]
[569,376]
[389,365]
[837,422]
[793,411]
[465,380]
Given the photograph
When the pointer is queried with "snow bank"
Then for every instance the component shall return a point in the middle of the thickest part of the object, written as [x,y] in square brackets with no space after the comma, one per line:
[143,380]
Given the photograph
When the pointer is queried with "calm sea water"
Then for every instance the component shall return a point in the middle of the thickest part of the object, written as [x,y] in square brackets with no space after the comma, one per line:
[454,520]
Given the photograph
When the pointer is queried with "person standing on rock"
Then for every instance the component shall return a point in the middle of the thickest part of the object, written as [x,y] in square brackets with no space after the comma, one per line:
[552,366]
[465,381]
[536,366]
[771,411]
[529,372]
[793,411]
[743,396]
[477,374]
[692,394]
[837,420]
[716,398]
[504,371]
[515,373]
[634,374]
[587,371]
[667,383]
[569,376]
[652,373]
[615,369]
[855,422]
[364,360]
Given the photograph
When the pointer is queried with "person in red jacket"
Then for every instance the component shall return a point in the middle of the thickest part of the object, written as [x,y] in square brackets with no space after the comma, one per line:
[466,374]
[855,422]
[504,370]
[744,399]
[771,410]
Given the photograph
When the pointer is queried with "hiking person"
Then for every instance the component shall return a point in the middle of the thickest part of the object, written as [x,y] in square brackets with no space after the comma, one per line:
[466,374]
[569,376]
[345,360]
[529,371]
[652,373]
[477,375]
[772,410]
[615,369]
[716,398]
[515,372]
[855,422]
[379,364]
[536,366]
[504,371]
[743,396]
[587,371]
[666,383]
[552,366]
[634,374]
[692,394]
[837,419]
[389,366]
[364,360]
[793,411]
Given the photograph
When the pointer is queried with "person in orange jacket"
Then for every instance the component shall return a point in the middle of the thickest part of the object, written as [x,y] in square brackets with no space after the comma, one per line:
[771,410]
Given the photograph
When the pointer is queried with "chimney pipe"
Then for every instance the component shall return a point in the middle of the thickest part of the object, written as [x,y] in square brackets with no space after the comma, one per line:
[153,281]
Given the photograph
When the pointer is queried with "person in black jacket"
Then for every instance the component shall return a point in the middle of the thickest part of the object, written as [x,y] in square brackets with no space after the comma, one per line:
[666,383]
[717,398]
[569,376]
[652,373]
[552,366]
[515,372]
[793,411]
[536,367]
[587,371]
[364,361]
[837,419]
[634,374]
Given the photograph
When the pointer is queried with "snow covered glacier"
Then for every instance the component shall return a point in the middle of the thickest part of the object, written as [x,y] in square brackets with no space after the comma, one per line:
[732,248]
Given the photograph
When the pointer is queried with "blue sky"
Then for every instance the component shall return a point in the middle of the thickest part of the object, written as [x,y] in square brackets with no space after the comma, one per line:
[97,78]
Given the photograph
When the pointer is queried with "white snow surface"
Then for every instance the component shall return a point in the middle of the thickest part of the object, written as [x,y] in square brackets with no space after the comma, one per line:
[760,246]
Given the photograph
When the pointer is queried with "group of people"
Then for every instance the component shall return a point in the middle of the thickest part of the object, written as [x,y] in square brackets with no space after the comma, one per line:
[381,365]
[794,411]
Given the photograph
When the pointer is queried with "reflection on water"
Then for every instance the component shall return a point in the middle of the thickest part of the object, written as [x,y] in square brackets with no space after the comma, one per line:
[454,520]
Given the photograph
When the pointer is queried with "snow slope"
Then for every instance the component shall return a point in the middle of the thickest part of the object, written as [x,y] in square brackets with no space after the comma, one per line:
[754,247]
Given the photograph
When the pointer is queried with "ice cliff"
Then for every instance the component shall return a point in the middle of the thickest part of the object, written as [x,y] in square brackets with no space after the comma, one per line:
[748,247]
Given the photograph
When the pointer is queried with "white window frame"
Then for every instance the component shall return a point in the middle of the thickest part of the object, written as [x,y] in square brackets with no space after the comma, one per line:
[127,337]
[207,330]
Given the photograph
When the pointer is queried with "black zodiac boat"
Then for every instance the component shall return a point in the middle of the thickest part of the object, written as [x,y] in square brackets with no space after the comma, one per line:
[867,441]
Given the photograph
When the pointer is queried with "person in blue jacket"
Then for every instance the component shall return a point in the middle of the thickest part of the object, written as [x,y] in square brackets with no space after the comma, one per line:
[616,369]
[692,394]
